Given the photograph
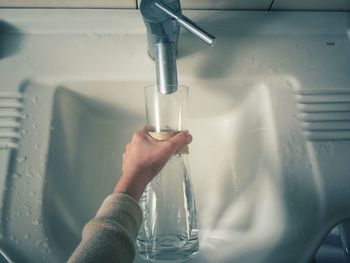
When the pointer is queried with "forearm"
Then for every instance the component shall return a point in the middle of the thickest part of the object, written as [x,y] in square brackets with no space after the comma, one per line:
[132,186]
[111,235]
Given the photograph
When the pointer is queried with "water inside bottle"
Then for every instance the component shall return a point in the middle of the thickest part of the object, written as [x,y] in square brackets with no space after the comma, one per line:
[169,230]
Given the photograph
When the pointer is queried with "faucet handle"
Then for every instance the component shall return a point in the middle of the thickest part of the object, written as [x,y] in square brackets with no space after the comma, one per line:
[188,24]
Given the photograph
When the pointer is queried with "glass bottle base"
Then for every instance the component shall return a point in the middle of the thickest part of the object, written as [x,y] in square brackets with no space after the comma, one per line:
[168,247]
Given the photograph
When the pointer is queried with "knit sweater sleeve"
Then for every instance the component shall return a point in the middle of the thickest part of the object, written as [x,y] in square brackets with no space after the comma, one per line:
[110,236]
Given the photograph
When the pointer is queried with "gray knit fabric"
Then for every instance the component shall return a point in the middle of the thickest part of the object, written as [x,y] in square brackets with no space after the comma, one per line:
[110,236]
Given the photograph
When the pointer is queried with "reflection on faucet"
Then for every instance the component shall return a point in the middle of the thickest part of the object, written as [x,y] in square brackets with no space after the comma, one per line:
[162,20]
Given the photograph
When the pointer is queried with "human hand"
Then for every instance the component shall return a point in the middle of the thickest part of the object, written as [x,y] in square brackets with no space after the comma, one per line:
[144,158]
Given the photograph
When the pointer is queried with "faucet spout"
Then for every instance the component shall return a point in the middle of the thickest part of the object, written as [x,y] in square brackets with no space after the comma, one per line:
[163,19]
[166,67]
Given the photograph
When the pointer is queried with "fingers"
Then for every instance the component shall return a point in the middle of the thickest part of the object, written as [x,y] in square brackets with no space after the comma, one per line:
[173,144]
[140,135]
[143,131]
[182,138]
[179,141]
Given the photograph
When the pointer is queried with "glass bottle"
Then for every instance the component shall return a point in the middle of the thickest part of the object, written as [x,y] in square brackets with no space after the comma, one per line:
[169,230]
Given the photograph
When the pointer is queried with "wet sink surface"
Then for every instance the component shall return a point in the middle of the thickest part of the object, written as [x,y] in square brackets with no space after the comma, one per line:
[241,143]
[91,128]
[270,120]
[268,180]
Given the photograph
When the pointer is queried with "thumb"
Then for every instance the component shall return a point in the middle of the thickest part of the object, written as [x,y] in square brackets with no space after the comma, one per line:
[179,141]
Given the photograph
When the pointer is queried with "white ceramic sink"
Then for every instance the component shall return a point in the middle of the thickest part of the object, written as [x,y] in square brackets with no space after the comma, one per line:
[91,128]
[235,161]
[270,119]
[256,175]
[233,129]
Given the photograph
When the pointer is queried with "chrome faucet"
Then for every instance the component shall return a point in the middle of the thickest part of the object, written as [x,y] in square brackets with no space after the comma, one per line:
[163,19]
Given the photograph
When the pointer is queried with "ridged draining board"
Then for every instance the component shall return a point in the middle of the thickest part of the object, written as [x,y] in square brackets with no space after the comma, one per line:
[324,114]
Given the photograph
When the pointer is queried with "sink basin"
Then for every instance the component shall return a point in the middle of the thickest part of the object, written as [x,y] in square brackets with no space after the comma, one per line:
[256,165]
[234,160]
[87,142]
[252,167]
[270,119]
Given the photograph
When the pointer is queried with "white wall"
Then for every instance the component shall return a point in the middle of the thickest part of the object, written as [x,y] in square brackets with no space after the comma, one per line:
[190,4]
[70,3]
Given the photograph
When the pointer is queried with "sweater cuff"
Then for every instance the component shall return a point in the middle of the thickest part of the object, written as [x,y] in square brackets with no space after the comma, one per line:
[124,210]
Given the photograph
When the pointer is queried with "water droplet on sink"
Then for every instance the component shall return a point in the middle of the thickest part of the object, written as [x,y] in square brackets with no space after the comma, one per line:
[35,100]
[36,222]
[21,159]
[26,236]
[43,157]
[30,174]
[17,175]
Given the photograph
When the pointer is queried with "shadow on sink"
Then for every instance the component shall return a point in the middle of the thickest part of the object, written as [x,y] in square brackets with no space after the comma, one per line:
[93,122]
[10,39]
[84,163]
[249,165]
